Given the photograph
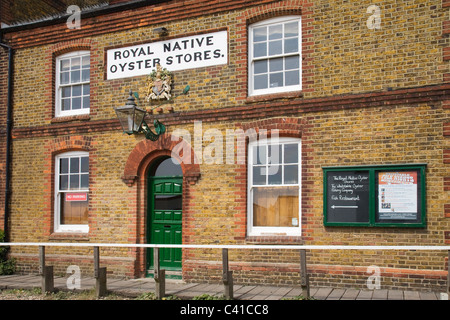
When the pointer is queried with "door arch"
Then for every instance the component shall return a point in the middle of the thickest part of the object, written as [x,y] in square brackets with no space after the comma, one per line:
[164,212]
[141,159]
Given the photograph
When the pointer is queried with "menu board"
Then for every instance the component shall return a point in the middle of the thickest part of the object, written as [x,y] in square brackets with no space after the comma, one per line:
[397,195]
[347,195]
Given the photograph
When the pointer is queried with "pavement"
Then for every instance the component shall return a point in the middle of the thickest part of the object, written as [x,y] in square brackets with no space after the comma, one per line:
[186,291]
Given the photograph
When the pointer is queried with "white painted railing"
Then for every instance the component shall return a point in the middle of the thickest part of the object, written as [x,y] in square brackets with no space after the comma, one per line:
[159,274]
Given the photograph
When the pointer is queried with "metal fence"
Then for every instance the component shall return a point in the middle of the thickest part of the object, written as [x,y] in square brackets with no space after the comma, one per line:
[46,272]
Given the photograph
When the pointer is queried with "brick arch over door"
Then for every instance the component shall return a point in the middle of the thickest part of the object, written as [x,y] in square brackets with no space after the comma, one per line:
[135,176]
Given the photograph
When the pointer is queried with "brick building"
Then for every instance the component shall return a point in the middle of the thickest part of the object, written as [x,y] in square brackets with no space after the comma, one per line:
[307,122]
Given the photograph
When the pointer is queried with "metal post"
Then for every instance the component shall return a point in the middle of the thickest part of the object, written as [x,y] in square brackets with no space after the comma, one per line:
[304,279]
[96,261]
[99,274]
[448,276]
[159,276]
[46,272]
[227,276]
[41,260]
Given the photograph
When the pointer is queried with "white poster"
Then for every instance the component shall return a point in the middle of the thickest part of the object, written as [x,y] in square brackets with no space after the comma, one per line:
[176,54]
[397,195]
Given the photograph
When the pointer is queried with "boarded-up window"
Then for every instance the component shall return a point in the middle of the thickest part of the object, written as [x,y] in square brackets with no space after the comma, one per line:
[274,187]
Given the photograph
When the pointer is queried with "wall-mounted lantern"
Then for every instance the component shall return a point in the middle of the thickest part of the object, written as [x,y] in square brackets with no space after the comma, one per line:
[132,118]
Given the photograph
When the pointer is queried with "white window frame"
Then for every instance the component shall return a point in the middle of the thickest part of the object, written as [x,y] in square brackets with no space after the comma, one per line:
[58,226]
[271,231]
[251,59]
[58,86]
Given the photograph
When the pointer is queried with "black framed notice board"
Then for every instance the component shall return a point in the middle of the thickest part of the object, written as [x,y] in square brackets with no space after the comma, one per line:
[375,196]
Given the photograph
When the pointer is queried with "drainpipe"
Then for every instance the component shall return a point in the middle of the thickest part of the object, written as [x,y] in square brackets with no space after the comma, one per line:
[8,137]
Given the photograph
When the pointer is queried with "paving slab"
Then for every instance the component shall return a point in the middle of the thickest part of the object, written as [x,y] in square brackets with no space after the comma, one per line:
[322,293]
[380,294]
[336,294]
[365,295]
[241,292]
[395,295]
[350,294]
[428,296]
[411,295]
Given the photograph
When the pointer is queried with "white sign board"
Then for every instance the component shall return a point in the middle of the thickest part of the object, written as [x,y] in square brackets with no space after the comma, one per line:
[177,54]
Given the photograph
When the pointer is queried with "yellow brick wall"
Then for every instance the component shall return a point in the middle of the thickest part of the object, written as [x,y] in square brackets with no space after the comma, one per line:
[341,57]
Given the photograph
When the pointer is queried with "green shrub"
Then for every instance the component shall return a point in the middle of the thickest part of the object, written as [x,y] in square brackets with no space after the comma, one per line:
[7,266]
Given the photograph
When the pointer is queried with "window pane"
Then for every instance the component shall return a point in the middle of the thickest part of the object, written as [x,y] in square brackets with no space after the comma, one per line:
[276,64]
[65,104]
[276,80]
[260,82]
[73,212]
[275,207]
[86,103]
[75,63]
[260,50]
[168,202]
[259,155]
[275,154]
[84,181]
[260,34]
[64,165]
[275,47]
[85,75]
[291,45]
[274,174]
[65,78]
[291,153]
[76,91]
[292,78]
[84,164]
[75,76]
[291,29]
[275,32]
[65,65]
[292,63]
[259,176]
[86,62]
[66,92]
[63,182]
[291,174]
[76,103]
[74,165]
[74,182]
[86,89]
[260,66]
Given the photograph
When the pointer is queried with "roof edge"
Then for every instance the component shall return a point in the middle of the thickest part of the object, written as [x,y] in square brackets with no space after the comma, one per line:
[102,10]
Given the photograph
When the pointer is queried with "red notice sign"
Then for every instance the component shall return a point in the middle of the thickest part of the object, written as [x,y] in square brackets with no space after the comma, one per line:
[76,196]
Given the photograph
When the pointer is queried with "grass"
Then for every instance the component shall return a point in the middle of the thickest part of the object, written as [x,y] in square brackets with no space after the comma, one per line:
[36,294]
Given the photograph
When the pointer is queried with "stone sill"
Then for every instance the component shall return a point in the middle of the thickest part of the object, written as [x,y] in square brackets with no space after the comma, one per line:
[274,96]
[82,117]
[58,236]
[274,239]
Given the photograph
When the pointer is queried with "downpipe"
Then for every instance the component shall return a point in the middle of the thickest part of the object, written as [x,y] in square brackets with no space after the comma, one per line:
[8,138]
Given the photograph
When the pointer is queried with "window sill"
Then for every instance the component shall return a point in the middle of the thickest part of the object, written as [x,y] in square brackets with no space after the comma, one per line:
[274,239]
[80,236]
[274,96]
[80,117]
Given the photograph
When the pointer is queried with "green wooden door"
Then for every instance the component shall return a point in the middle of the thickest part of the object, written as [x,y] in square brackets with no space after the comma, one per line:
[164,217]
